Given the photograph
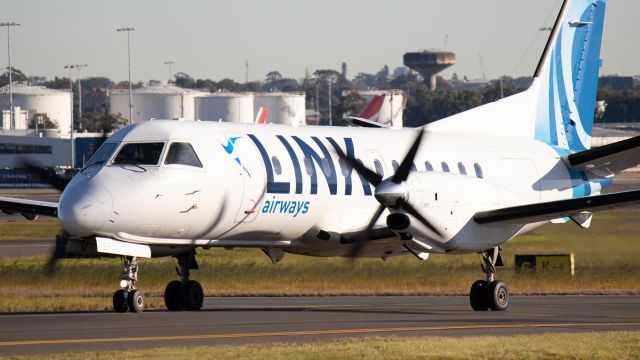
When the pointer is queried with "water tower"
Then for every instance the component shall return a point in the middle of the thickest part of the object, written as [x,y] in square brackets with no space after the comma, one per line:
[429,63]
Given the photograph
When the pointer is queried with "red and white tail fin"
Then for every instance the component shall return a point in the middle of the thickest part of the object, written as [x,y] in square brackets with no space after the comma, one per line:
[261,117]
[372,109]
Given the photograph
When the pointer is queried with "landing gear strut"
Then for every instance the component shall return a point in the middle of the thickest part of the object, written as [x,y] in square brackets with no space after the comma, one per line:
[184,294]
[129,298]
[490,294]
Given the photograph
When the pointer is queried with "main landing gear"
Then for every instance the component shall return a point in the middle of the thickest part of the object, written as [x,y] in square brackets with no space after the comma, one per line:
[129,298]
[490,294]
[184,294]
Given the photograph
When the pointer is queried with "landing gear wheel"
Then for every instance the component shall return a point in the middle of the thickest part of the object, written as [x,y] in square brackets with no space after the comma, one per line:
[173,296]
[120,301]
[193,296]
[136,301]
[479,296]
[498,296]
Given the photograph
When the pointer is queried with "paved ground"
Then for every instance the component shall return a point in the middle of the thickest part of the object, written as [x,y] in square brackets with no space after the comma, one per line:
[288,320]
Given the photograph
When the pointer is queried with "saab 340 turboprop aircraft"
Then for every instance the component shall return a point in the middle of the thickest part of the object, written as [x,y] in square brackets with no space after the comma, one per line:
[479,178]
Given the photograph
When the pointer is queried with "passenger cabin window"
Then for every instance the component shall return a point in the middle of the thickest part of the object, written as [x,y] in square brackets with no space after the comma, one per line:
[326,168]
[445,167]
[413,167]
[428,166]
[462,169]
[140,154]
[344,167]
[478,170]
[104,153]
[395,165]
[276,165]
[378,166]
[308,165]
[182,154]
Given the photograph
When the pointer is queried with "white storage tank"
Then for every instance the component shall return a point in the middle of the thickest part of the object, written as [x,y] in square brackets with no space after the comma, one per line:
[159,101]
[384,106]
[282,107]
[228,107]
[39,99]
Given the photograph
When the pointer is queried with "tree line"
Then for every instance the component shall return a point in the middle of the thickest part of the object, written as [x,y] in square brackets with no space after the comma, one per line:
[422,105]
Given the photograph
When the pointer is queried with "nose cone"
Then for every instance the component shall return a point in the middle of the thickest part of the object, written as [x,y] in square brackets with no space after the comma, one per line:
[84,206]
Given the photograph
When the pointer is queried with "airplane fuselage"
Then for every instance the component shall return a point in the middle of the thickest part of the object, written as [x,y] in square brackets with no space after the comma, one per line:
[282,187]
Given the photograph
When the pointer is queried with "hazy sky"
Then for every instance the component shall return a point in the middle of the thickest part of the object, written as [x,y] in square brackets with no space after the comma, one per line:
[211,39]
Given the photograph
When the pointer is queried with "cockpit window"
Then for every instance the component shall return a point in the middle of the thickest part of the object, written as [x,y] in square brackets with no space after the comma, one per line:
[140,154]
[182,154]
[103,154]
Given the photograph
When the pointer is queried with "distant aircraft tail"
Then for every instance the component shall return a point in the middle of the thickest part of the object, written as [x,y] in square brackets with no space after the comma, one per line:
[261,117]
[372,110]
[566,78]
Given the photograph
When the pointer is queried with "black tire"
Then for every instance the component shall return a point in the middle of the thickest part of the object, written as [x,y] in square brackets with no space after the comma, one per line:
[120,301]
[173,296]
[192,296]
[478,296]
[498,296]
[136,301]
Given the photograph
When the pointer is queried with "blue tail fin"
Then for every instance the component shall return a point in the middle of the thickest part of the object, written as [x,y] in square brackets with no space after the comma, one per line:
[567,76]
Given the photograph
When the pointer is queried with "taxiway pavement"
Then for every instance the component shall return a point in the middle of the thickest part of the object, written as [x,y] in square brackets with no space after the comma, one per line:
[233,320]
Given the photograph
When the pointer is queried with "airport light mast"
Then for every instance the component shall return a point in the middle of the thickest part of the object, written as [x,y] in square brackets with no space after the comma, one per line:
[73,147]
[129,30]
[169,63]
[9,25]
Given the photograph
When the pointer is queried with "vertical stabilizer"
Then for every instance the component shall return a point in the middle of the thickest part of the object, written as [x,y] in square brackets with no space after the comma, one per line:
[566,79]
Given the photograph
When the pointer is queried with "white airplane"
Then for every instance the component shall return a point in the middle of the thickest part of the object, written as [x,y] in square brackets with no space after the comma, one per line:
[482,177]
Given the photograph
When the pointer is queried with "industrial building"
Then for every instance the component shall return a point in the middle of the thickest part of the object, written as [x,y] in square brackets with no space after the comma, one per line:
[30,100]
[282,107]
[156,101]
[227,107]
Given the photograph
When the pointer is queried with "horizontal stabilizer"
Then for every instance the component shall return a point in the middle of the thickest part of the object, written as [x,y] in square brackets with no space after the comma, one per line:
[609,159]
[365,122]
[546,211]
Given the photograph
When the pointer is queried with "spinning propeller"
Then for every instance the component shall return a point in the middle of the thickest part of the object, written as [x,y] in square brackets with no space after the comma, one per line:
[392,192]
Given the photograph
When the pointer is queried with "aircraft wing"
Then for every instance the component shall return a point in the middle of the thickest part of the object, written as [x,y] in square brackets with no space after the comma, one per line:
[546,211]
[30,207]
[609,159]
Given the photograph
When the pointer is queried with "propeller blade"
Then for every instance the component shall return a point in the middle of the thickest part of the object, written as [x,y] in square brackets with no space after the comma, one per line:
[59,252]
[404,205]
[405,167]
[50,176]
[362,241]
[371,176]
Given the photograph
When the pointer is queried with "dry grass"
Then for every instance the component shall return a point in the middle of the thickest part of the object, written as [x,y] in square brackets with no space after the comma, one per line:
[609,345]
[606,263]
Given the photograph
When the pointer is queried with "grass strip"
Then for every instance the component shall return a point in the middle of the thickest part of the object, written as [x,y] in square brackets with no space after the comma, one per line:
[595,345]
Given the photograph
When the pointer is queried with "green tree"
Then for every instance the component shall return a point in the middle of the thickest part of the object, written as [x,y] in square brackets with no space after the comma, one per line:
[101,120]
[43,121]
[16,76]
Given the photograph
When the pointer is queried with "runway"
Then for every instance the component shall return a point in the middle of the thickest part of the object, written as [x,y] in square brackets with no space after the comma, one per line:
[295,319]
[19,248]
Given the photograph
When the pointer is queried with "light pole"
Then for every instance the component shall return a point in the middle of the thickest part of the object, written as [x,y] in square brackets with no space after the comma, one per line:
[78,67]
[9,25]
[73,147]
[169,63]
[330,80]
[129,30]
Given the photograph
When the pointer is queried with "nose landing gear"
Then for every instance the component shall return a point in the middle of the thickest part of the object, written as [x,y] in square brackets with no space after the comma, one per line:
[184,294]
[490,294]
[129,298]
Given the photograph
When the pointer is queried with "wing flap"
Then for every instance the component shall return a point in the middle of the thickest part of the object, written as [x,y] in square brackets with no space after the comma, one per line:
[609,159]
[24,206]
[546,211]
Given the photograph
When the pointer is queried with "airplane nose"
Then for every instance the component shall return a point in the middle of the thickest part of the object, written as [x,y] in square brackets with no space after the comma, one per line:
[84,207]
